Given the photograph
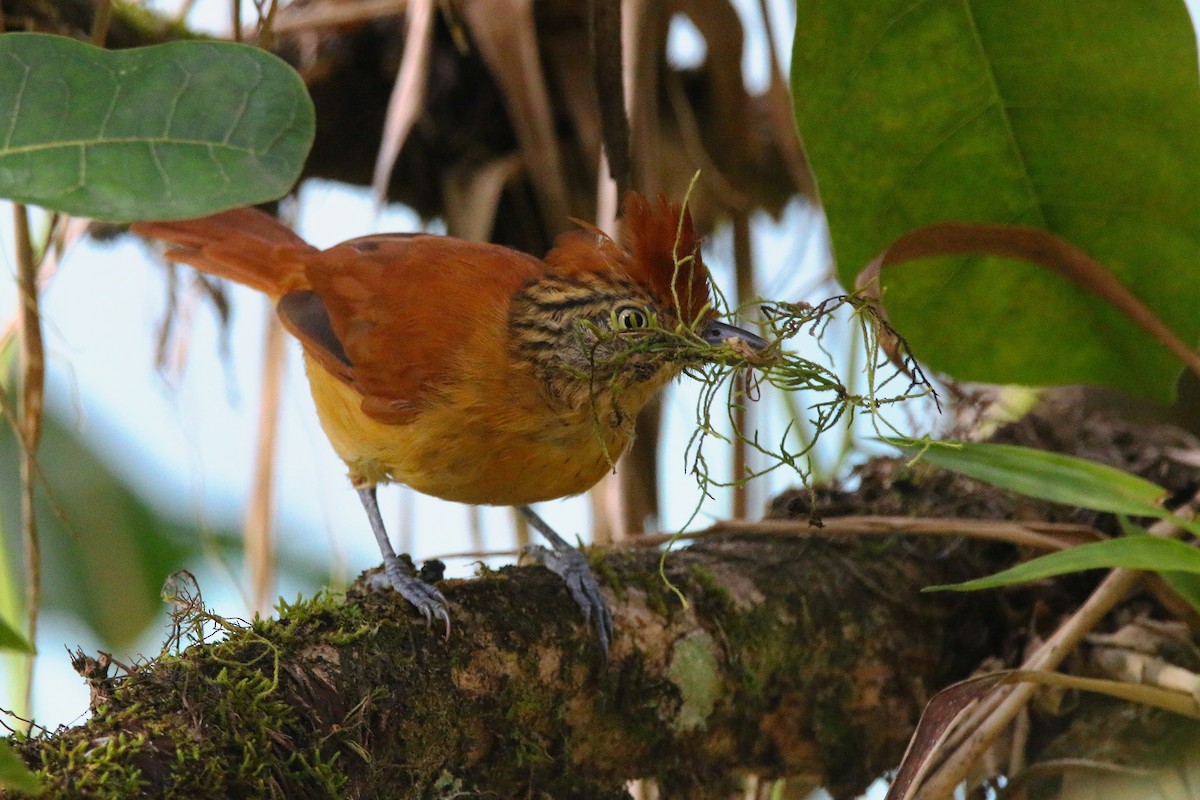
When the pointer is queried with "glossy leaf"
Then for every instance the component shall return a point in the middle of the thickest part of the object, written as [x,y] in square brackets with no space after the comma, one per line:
[1184,584]
[171,131]
[1130,552]
[1047,476]
[13,772]
[1078,119]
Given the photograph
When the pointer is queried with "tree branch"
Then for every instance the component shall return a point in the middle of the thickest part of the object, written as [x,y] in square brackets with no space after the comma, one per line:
[805,656]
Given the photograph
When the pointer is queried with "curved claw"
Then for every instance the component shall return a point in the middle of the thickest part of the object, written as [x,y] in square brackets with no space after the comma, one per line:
[428,600]
[441,612]
[572,566]
[398,575]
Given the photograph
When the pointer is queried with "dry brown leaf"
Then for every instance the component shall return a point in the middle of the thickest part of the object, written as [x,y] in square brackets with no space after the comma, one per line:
[506,34]
[408,94]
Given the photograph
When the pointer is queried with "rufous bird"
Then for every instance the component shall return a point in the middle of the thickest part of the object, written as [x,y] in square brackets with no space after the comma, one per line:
[472,372]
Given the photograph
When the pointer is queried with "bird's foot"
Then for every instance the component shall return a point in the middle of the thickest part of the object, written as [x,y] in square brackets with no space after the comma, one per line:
[429,602]
[570,564]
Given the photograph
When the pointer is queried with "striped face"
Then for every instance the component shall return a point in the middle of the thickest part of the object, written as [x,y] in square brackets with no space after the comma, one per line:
[585,337]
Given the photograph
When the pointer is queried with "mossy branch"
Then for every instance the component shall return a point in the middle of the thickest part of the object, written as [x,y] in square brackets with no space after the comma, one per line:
[785,661]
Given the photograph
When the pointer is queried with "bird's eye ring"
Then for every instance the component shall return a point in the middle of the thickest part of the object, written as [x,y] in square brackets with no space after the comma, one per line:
[631,318]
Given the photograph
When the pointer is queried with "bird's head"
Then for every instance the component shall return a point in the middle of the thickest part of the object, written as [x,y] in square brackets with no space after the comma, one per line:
[611,321]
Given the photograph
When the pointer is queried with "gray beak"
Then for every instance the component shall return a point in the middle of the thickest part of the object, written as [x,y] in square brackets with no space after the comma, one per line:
[715,333]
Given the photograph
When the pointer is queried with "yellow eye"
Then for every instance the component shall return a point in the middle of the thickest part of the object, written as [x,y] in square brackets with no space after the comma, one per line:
[631,318]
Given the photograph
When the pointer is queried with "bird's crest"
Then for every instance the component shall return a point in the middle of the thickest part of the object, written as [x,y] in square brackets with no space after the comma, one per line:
[666,254]
[661,253]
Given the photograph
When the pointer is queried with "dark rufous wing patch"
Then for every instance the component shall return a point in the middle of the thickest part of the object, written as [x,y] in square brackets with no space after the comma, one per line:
[304,314]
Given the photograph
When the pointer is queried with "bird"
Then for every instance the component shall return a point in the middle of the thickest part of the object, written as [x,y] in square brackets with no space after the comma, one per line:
[470,371]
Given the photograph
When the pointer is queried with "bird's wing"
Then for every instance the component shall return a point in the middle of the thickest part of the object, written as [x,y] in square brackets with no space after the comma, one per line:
[392,315]
[305,316]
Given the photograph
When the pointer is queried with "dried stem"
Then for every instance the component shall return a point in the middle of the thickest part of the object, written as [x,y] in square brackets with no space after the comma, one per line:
[259,536]
[1037,535]
[101,22]
[994,716]
[235,12]
[743,263]
[408,95]
[314,17]
[33,377]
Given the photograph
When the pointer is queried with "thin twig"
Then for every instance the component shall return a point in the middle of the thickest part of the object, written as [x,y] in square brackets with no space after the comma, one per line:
[608,78]
[235,11]
[67,231]
[779,111]
[185,8]
[743,267]
[693,146]
[258,532]
[1039,535]
[327,15]
[100,22]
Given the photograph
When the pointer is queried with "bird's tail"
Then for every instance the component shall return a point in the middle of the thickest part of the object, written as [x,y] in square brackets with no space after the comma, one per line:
[244,245]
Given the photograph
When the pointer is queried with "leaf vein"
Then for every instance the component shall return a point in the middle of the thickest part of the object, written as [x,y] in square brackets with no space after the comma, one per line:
[241,110]
[852,75]
[212,156]
[170,120]
[147,140]
[108,112]
[12,125]
[166,179]
[1009,131]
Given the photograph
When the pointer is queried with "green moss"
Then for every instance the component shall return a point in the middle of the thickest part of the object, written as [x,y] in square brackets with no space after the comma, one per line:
[837,733]
[606,573]
[100,766]
[217,711]
[695,672]
[530,712]
[320,606]
[296,621]
[716,596]
[448,785]
[658,593]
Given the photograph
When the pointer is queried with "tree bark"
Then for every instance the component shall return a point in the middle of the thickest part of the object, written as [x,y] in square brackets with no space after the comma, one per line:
[793,656]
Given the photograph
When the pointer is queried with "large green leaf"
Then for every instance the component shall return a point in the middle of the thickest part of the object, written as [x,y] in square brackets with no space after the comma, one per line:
[1077,118]
[176,130]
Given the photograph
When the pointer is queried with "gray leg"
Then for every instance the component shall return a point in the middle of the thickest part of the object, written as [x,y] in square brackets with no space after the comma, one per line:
[398,575]
[572,566]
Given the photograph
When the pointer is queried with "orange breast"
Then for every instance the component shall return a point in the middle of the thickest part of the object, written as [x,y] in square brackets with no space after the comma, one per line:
[489,438]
